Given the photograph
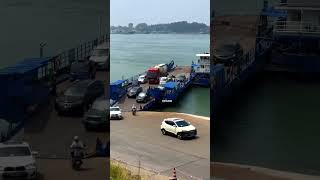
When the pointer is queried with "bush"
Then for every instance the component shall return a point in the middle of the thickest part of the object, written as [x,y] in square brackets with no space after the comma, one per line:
[119,173]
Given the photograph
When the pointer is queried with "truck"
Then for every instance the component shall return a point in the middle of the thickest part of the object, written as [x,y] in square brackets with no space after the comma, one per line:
[154,73]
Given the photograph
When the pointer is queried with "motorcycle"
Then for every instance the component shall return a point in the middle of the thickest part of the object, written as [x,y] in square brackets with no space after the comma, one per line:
[134,110]
[76,158]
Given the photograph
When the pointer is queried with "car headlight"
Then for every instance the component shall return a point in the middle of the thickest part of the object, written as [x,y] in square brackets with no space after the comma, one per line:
[31,166]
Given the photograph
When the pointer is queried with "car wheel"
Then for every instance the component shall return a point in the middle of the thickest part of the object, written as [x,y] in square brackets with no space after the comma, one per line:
[163,131]
[179,136]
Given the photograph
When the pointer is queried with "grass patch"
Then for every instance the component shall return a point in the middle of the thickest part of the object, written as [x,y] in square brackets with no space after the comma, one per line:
[119,173]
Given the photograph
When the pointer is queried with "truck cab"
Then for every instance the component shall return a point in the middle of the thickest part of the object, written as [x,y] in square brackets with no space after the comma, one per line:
[153,75]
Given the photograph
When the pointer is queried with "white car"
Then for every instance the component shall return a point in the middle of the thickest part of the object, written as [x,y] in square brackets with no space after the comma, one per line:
[17,160]
[142,79]
[178,127]
[163,81]
[115,113]
[100,55]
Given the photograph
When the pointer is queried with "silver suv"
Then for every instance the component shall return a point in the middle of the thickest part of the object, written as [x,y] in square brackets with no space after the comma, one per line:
[17,160]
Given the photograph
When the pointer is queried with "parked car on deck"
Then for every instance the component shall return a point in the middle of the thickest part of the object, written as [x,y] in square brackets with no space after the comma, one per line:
[100,56]
[115,113]
[81,70]
[163,81]
[178,127]
[133,92]
[17,161]
[98,115]
[142,79]
[142,97]
[78,97]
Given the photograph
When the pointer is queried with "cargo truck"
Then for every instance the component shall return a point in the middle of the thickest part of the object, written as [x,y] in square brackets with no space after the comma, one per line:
[154,73]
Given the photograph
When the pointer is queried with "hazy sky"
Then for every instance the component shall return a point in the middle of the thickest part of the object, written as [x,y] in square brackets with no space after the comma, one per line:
[159,11]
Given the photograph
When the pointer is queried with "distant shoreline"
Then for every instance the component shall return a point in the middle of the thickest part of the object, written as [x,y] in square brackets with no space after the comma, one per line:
[159,33]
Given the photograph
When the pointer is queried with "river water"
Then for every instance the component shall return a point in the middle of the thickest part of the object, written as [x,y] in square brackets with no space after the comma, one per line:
[272,122]
[135,53]
[62,24]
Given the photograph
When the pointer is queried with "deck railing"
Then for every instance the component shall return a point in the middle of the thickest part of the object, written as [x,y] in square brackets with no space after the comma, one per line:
[81,52]
[302,4]
[296,27]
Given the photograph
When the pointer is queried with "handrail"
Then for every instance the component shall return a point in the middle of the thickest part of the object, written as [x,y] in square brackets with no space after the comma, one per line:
[298,4]
[82,51]
[296,26]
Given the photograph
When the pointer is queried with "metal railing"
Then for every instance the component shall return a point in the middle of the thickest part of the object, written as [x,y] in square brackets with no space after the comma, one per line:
[302,4]
[81,52]
[296,27]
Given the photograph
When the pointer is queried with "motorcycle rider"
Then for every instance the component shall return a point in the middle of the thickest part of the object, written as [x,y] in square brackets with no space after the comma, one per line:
[134,109]
[76,146]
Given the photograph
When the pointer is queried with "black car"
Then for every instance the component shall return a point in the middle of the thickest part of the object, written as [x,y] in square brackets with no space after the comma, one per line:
[143,97]
[227,53]
[81,70]
[79,96]
[133,92]
[98,115]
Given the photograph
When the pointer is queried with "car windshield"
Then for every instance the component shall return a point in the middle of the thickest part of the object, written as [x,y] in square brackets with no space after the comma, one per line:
[100,105]
[152,74]
[100,52]
[79,67]
[114,109]
[14,151]
[182,123]
[75,91]
[142,94]
[134,89]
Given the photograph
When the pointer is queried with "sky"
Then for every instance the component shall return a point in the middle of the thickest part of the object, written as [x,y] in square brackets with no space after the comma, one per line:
[123,12]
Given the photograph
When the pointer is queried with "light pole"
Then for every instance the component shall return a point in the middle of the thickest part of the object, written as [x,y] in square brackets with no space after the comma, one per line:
[41,48]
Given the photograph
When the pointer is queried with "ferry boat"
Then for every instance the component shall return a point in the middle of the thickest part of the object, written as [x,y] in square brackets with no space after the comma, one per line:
[202,70]
[232,66]
[297,37]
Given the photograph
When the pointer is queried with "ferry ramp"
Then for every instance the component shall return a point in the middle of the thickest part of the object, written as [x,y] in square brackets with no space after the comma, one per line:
[185,70]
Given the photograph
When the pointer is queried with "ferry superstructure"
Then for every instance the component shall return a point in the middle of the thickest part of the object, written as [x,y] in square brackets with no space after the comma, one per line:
[202,70]
[296,35]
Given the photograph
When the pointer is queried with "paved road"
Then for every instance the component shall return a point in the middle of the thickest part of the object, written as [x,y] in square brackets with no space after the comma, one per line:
[51,136]
[139,137]
[96,169]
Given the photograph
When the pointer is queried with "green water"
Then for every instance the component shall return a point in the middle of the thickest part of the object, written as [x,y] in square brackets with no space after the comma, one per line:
[135,53]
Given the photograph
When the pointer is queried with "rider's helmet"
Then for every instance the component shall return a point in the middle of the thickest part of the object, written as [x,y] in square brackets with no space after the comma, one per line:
[76,138]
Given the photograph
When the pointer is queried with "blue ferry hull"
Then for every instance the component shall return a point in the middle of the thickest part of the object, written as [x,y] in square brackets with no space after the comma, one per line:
[219,97]
[297,63]
[200,80]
